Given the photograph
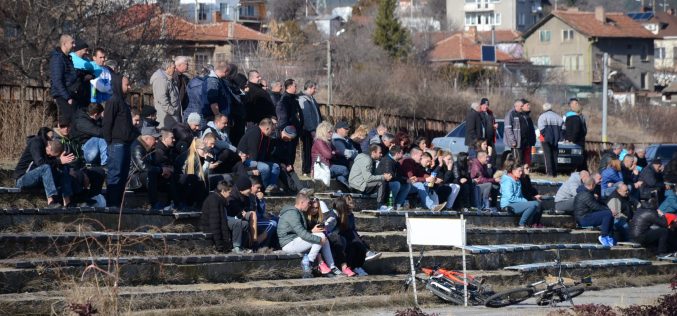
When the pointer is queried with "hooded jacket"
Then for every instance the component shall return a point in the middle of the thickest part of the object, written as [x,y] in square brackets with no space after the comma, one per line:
[575,128]
[117,125]
[511,191]
[62,75]
[292,224]
[33,156]
[213,221]
[165,99]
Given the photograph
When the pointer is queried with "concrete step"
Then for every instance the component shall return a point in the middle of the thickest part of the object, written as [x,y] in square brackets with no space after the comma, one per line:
[98,219]
[383,222]
[25,275]
[397,241]
[102,243]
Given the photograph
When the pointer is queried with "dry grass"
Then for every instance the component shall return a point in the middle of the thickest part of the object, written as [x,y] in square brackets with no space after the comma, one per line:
[34,225]
[19,120]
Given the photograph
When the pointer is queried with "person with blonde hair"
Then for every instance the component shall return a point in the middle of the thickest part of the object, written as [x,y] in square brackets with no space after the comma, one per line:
[323,151]
[358,136]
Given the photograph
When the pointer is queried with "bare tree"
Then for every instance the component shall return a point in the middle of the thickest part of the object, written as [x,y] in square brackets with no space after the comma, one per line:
[285,10]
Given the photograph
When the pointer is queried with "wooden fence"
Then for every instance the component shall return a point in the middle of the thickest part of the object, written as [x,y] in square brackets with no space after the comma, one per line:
[355,114]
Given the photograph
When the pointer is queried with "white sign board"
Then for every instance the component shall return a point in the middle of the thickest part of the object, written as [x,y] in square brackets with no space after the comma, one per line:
[436,232]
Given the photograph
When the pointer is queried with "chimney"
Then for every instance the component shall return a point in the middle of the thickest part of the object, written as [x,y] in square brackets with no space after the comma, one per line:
[472,33]
[231,29]
[216,16]
[599,14]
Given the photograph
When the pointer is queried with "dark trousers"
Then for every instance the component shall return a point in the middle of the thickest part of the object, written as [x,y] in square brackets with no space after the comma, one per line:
[228,159]
[192,190]
[64,110]
[466,195]
[338,248]
[604,219]
[584,163]
[307,139]
[119,157]
[665,239]
[550,154]
[380,188]
[290,181]
[237,228]
[154,181]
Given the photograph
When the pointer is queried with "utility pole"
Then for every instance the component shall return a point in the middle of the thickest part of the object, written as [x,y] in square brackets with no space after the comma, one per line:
[605,97]
[329,79]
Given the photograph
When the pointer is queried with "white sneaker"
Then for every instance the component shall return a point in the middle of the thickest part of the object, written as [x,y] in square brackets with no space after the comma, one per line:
[371,255]
[385,208]
[360,271]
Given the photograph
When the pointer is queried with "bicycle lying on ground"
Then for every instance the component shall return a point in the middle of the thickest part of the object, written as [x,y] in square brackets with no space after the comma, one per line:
[550,291]
[448,284]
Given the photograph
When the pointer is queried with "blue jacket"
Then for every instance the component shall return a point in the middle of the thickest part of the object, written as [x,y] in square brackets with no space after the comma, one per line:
[610,175]
[670,203]
[86,65]
[195,101]
[511,191]
[214,90]
[62,74]
[550,126]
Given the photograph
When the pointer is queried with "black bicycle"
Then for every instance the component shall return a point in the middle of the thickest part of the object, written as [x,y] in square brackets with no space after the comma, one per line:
[550,291]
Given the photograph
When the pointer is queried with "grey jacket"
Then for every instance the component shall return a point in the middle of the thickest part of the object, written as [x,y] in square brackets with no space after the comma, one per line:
[293,224]
[165,99]
[568,189]
[362,172]
[311,112]
[512,130]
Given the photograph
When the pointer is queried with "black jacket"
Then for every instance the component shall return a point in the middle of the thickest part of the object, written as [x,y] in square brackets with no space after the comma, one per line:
[461,172]
[651,180]
[575,130]
[62,75]
[85,127]
[283,152]
[474,129]
[528,190]
[238,203]
[183,136]
[585,203]
[388,165]
[288,112]
[255,144]
[117,117]
[143,159]
[643,221]
[488,121]
[528,130]
[213,221]
[164,156]
[258,103]
[34,155]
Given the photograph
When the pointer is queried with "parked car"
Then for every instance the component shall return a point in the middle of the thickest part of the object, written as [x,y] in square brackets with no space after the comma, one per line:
[569,156]
[663,151]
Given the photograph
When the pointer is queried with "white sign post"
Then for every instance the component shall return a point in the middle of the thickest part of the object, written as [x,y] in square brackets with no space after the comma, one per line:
[436,232]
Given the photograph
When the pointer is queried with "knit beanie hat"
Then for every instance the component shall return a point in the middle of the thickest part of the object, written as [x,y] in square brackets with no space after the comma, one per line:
[243,183]
[194,118]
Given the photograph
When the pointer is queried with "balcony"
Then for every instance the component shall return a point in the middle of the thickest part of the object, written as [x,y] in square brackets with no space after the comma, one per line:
[479,7]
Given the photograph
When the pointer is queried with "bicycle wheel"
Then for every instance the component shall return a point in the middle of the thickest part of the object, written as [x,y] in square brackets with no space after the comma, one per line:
[446,294]
[572,291]
[510,297]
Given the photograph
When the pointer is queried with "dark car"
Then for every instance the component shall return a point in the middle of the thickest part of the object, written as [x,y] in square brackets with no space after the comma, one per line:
[664,152]
[570,155]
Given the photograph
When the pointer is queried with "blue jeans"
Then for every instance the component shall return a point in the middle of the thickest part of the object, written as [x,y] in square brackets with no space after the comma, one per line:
[340,173]
[427,197]
[621,227]
[530,211]
[399,191]
[270,172]
[40,175]
[604,219]
[95,147]
[118,171]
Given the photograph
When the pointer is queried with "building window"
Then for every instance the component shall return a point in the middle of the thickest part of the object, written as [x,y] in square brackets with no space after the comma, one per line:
[644,80]
[497,18]
[659,52]
[644,56]
[521,19]
[202,12]
[567,35]
[200,61]
[224,8]
[545,35]
[248,10]
[572,62]
[540,60]
[628,60]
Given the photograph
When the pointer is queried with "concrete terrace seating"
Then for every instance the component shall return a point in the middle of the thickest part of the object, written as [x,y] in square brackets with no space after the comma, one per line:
[166,262]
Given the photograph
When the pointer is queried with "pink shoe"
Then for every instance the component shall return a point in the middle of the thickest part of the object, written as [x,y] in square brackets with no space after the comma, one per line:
[324,269]
[346,270]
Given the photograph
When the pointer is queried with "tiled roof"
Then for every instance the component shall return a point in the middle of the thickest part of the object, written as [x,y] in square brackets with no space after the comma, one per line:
[173,27]
[667,22]
[137,14]
[502,36]
[617,24]
[461,47]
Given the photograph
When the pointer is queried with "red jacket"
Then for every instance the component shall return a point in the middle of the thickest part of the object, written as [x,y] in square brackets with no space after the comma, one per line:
[322,149]
[480,172]
[411,168]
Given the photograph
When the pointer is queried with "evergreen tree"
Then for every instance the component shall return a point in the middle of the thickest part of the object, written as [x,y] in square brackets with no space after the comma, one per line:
[389,33]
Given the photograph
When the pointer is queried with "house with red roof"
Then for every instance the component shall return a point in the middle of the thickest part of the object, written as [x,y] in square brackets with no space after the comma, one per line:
[575,42]
[465,48]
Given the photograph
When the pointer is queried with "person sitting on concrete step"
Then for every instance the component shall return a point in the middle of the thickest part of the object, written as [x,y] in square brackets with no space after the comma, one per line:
[588,211]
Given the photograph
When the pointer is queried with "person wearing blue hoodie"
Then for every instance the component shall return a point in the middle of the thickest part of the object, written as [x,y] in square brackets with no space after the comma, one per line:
[611,177]
[511,196]
[669,205]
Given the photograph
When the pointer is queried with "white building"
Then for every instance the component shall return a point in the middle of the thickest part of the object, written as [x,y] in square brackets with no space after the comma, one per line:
[516,15]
